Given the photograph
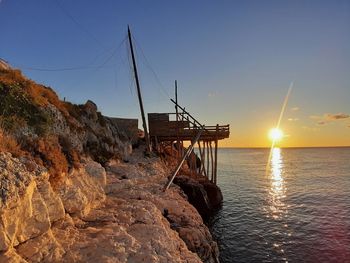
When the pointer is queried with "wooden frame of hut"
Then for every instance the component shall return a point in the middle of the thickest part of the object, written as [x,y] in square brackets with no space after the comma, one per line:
[173,129]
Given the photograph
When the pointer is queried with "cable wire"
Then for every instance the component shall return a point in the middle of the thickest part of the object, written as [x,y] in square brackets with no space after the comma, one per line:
[151,69]
[78,24]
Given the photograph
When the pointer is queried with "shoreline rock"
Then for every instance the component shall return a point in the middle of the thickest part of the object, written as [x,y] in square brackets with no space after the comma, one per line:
[204,195]
[67,196]
[101,215]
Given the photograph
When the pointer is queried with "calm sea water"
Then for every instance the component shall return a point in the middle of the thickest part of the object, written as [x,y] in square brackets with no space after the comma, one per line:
[296,210]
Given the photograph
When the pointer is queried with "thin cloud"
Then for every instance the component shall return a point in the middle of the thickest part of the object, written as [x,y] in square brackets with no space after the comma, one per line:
[337,116]
[293,119]
[330,117]
[213,94]
[295,109]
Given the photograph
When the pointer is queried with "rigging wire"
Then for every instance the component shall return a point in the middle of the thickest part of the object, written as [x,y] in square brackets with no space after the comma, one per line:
[58,69]
[97,67]
[151,69]
[78,24]
[83,29]
[131,70]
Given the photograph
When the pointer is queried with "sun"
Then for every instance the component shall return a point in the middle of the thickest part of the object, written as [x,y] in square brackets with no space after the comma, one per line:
[275,134]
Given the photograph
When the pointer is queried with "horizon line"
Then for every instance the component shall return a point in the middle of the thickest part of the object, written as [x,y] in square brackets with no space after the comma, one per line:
[286,147]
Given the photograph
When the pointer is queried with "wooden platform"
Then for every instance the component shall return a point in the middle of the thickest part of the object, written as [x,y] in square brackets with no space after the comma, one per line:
[173,129]
[161,127]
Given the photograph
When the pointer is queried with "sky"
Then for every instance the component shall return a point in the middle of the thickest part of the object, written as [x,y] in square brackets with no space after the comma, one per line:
[234,61]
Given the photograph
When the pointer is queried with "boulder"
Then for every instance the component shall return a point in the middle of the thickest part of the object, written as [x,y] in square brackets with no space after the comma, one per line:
[28,203]
[83,188]
[204,195]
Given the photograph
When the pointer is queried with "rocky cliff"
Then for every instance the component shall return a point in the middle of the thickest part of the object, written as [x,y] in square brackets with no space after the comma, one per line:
[72,189]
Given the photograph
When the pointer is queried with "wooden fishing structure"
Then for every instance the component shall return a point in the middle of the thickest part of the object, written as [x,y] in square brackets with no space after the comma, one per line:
[175,129]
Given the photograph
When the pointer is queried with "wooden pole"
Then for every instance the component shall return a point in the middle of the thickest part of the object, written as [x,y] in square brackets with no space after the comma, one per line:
[212,162]
[176,100]
[184,110]
[208,158]
[216,154]
[139,92]
[188,152]
[177,124]
[202,169]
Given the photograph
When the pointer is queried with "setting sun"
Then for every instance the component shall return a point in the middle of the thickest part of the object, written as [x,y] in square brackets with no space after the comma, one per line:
[275,134]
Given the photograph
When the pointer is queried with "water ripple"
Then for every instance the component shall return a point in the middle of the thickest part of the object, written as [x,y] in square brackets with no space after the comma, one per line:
[297,212]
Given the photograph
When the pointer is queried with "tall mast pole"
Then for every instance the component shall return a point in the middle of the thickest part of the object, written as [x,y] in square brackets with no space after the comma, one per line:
[177,124]
[139,92]
[177,113]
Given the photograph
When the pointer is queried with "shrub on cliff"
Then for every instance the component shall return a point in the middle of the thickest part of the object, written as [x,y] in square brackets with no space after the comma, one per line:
[9,144]
[26,125]
[17,109]
[53,132]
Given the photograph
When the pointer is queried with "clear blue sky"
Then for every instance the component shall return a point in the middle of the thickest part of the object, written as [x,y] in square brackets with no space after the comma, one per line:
[234,60]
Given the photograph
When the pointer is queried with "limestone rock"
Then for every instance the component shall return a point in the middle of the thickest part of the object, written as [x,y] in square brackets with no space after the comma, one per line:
[83,189]
[205,196]
[44,248]
[118,216]
[27,202]
[10,256]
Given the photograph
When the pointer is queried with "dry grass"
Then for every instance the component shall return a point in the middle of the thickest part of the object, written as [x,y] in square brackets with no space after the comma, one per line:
[9,144]
[11,77]
[50,152]
[40,94]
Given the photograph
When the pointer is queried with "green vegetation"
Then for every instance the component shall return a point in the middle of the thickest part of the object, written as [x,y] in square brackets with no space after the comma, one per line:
[18,110]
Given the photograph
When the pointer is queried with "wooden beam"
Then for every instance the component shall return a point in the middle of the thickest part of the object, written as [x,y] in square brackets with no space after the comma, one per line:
[139,92]
[177,124]
[202,159]
[208,158]
[212,161]
[183,109]
[216,155]
[188,152]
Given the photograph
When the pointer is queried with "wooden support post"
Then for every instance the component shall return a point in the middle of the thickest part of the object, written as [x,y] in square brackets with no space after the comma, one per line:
[212,161]
[205,158]
[157,144]
[216,154]
[177,124]
[139,93]
[208,160]
[188,152]
[201,152]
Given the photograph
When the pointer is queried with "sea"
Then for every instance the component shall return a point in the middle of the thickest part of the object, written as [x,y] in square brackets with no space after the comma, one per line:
[291,207]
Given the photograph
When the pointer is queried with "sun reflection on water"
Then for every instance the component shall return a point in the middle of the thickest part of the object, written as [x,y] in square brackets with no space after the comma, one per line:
[277,193]
[277,189]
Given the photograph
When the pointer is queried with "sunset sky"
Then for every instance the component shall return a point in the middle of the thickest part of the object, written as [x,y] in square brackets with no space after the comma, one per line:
[234,61]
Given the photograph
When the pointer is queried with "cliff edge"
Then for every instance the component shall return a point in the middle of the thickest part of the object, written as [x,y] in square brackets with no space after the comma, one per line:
[73,190]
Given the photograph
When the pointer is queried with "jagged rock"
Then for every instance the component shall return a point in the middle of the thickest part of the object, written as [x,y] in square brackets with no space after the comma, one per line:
[4,65]
[145,182]
[10,256]
[27,202]
[89,216]
[91,109]
[44,248]
[126,225]
[204,195]
[214,194]
[83,189]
